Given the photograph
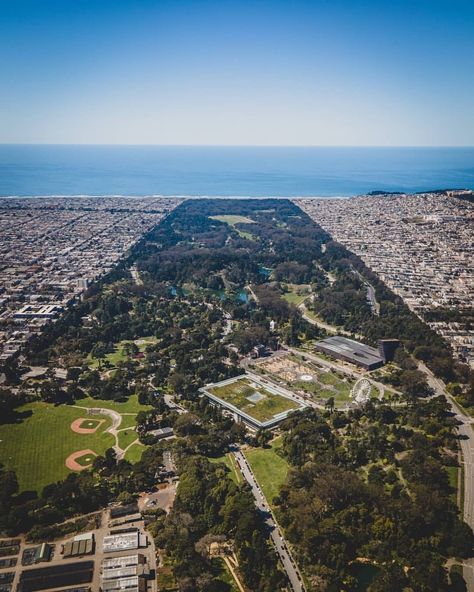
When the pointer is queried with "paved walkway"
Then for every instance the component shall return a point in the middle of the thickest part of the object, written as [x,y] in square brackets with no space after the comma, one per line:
[116,418]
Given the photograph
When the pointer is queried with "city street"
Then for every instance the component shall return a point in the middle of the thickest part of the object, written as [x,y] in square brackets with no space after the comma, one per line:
[279,543]
[467,447]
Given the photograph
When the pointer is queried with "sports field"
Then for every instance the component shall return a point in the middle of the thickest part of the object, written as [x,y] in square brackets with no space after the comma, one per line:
[37,447]
[253,398]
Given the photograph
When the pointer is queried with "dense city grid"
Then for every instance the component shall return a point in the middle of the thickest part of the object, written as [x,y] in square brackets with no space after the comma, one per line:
[51,249]
[422,246]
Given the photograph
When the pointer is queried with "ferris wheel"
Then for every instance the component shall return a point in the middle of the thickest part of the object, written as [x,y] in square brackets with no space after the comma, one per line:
[361,391]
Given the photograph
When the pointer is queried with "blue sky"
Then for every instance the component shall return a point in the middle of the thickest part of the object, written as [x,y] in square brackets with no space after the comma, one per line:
[321,72]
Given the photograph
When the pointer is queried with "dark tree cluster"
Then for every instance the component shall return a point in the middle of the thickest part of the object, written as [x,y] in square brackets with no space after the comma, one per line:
[210,507]
[372,485]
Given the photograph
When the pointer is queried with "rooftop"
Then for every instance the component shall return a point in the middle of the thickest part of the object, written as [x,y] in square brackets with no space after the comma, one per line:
[359,352]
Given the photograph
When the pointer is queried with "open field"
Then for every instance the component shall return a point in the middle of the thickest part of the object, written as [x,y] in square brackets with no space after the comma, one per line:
[308,379]
[134,453]
[126,437]
[130,406]
[119,354]
[253,398]
[37,447]
[269,468]
[296,293]
[233,220]
[128,421]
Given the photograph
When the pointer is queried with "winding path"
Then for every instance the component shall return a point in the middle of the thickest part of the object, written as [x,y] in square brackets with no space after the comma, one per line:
[322,325]
[116,418]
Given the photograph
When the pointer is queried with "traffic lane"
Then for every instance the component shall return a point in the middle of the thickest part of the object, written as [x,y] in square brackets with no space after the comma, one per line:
[467,448]
[275,533]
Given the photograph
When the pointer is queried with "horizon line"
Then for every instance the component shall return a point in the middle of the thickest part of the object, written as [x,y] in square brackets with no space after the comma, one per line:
[411,146]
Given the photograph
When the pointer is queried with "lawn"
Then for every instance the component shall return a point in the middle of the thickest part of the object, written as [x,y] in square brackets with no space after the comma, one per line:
[296,293]
[131,405]
[119,355]
[229,461]
[128,409]
[85,460]
[453,481]
[36,448]
[134,453]
[128,421]
[221,571]
[90,424]
[269,468]
[253,398]
[233,220]
[126,437]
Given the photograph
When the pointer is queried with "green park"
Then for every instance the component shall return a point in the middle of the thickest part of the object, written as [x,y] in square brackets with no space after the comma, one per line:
[37,446]
[124,350]
[270,469]
[233,220]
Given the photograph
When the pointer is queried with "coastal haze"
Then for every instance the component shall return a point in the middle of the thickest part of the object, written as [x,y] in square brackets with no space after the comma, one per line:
[230,171]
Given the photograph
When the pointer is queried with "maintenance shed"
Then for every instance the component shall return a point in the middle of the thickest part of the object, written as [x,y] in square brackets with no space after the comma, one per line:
[126,541]
[80,545]
[119,511]
[58,576]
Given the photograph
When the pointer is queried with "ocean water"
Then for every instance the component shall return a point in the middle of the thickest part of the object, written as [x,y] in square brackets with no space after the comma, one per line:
[229,171]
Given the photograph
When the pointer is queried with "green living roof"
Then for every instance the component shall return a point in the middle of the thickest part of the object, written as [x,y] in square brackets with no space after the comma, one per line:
[249,397]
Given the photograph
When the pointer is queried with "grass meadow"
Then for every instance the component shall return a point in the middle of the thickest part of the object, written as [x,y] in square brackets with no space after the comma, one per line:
[269,468]
[37,446]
